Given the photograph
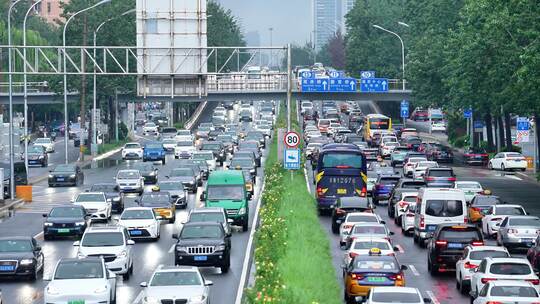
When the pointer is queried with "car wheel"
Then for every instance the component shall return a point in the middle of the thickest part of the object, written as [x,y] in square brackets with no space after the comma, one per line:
[113,298]
[433,269]
[225,268]
[245,225]
[126,275]
[163,161]
[51,185]
[421,242]
[464,289]
[458,285]
[415,238]
[335,228]
[33,277]
[503,168]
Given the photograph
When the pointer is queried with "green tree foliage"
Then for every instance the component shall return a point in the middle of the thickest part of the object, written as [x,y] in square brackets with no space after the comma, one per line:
[300,56]
[333,53]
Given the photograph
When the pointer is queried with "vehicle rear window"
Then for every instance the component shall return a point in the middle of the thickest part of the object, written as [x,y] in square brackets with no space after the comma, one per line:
[375,265]
[480,255]
[514,291]
[395,297]
[461,234]
[362,219]
[371,244]
[510,268]
[444,208]
[369,230]
[410,199]
[389,181]
[486,200]
[440,173]
[510,211]
[524,222]
[412,185]
[347,160]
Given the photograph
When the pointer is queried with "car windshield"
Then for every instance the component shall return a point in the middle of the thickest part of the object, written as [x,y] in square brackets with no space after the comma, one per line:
[153,146]
[76,270]
[182,172]
[524,222]
[340,159]
[70,212]
[90,197]
[513,291]
[202,231]
[43,141]
[175,186]
[175,278]
[375,265]
[210,147]
[104,188]
[102,239]
[395,297]
[155,199]
[35,149]
[410,198]
[183,133]
[468,186]
[389,181]
[150,124]
[507,268]
[486,200]
[207,217]
[15,245]
[127,175]
[143,166]
[510,211]
[480,255]
[203,156]
[137,214]
[444,208]
[371,244]
[132,146]
[64,168]
[234,192]
[369,230]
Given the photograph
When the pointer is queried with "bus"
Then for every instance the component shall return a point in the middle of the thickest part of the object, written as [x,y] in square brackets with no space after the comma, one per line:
[340,171]
[376,123]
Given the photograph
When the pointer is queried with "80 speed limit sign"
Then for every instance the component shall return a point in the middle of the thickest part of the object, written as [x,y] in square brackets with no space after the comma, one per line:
[292,139]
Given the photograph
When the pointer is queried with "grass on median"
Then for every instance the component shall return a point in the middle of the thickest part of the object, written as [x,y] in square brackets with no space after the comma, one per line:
[104,148]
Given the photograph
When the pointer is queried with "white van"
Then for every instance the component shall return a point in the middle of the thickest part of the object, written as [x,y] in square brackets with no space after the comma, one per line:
[438,206]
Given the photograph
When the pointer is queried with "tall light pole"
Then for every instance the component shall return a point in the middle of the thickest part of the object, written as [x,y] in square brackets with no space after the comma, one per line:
[25,84]
[66,133]
[94,110]
[271,44]
[10,77]
[402,50]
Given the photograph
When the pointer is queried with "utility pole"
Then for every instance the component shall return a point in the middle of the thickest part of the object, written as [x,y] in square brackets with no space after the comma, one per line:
[83,91]
[271,51]
[116,114]
[289,87]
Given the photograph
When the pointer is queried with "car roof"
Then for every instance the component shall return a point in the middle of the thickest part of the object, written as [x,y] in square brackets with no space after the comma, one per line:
[389,289]
[522,217]
[104,229]
[138,208]
[350,200]
[170,268]
[507,260]
[486,248]
[508,205]
[202,224]
[510,283]
[16,238]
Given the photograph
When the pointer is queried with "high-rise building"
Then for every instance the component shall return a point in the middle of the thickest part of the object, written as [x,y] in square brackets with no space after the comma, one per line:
[347,7]
[328,18]
[50,10]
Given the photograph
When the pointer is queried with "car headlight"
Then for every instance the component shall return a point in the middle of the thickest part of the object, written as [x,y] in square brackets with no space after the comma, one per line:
[72,176]
[101,289]
[47,224]
[80,223]
[181,249]
[197,299]
[52,291]
[51,176]
[27,262]
[220,247]
[150,300]
[123,254]
[116,199]
[152,173]
[41,157]
[242,211]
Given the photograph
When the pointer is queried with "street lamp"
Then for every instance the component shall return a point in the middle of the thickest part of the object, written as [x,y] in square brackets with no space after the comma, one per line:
[403,23]
[10,77]
[402,50]
[66,133]
[271,52]
[94,110]
[25,84]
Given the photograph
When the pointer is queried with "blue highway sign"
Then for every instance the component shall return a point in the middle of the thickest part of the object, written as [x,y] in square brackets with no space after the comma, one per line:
[307,74]
[522,124]
[315,85]
[374,85]
[367,74]
[342,85]
[404,109]
[336,74]
[291,159]
[467,113]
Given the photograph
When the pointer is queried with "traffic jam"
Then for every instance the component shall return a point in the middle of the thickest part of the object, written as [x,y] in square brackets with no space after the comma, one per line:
[406,228]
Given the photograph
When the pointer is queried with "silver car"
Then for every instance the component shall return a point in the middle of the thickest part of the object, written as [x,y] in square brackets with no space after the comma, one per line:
[130,181]
[518,231]
[176,284]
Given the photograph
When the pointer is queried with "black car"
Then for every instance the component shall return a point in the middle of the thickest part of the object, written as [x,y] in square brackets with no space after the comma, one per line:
[66,175]
[37,156]
[187,176]
[345,205]
[213,134]
[198,169]
[65,221]
[217,148]
[446,245]
[148,172]
[112,193]
[256,136]
[20,256]
[203,244]
[251,153]
[203,165]
[246,116]
[21,177]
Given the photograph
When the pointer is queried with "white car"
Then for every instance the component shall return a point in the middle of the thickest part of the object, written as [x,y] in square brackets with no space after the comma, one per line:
[472,257]
[81,281]
[110,242]
[491,269]
[373,230]
[184,149]
[169,144]
[130,181]
[495,216]
[508,161]
[407,219]
[354,218]
[96,205]
[438,126]
[471,189]
[46,143]
[150,128]
[408,167]
[387,148]
[421,167]
[363,246]
[207,156]
[306,105]
[172,283]
[387,294]
[508,291]
[405,200]
[132,150]
[141,223]
[184,135]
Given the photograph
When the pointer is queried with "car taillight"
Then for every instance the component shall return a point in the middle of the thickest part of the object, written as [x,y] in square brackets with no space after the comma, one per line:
[465,220]
[452,179]
[468,265]
[356,276]
[430,178]
[441,243]
[353,254]
[340,211]
[396,277]
[321,192]
[485,280]
[534,281]
[343,167]
[422,222]
[494,302]
[476,209]
[512,231]
[410,214]
[364,192]
[403,204]
[477,243]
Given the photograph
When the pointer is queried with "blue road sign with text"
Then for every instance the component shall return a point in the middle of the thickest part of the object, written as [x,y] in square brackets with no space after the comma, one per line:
[307,74]
[467,113]
[404,109]
[336,74]
[315,85]
[522,124]
[374,85]
[342,85]
[291,159]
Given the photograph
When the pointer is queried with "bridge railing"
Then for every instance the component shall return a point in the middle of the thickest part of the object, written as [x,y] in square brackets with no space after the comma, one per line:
[32,87]
[246,82]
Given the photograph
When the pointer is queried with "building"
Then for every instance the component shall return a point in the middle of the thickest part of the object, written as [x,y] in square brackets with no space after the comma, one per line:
[50,10]
[328,18]
[347,6]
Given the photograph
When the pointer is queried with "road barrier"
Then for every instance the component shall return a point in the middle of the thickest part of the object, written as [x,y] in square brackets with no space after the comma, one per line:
[24,193]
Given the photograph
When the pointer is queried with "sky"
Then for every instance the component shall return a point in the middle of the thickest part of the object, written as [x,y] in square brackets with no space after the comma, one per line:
[291,19]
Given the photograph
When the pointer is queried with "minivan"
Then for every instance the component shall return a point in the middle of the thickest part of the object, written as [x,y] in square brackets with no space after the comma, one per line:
[438,206]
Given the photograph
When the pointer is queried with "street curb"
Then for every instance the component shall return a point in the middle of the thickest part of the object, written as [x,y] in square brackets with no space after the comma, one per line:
[106,154]
[11,206]
[528,177]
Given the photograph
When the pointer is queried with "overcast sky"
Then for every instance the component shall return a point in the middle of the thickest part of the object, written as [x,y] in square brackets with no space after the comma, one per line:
[291,19]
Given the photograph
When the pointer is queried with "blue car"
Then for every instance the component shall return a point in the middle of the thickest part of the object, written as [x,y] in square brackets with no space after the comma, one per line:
[383,187]
[154,152]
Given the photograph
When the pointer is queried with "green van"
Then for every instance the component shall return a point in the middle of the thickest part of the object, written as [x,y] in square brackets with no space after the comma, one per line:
[227,189]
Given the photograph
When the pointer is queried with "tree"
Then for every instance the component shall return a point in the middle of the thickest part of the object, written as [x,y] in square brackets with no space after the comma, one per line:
[333,53]
[300,56]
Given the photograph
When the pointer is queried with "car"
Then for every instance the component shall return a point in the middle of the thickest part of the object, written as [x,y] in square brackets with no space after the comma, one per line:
[130,181]
[507,291]
[45,142]
[21,256]
[479,206]
[441,177]
[438,126]
[310,150]
[420,168]
[66,175]
[229,142]
[533,254]
[412,142]
[184,149]
[403,186]
[495,269]
[439,153]
[184,135]
[64,221]
[113,244]
[211,214]
[354,218]
[475,156]
[112,193]
[250,147]
[518,231]
[169,144]
[199,170]
[154,152]
[208,157]
[187,176]
[469,261]
[244,164]
[385,295]
[96,204]
[132,150]
[470,189]
[176,284]
[348,204]
[365,229]
[372,154]
[37,156]
[203,244]
[383,187]
[420,114]
[168,133]
[202,132]
[364,245]
[496,213]
[365,272]
[177,191]
[408,132]
[245,116]
[398,155]
[75,278]
[150,128]
[141,223]
[148,171]
[508,161]
[407,219]
[409,163]
[387,148]
[161,202]
[405,199]
[446,245]
[217,148]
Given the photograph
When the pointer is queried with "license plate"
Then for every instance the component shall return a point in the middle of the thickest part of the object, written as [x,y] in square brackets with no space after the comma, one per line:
[469,193]
[76,302]
[431,227]
[63,230]
[376,279]
[341,191]
[7,268]
[135,232]
[200,258]
[60,179]
[455,245]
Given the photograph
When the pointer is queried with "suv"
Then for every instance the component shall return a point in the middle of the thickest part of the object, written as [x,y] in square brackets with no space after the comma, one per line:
[203,244]
[447,243]
[383,187]
[440,177]
[154,152]
[113,244]
[211,214]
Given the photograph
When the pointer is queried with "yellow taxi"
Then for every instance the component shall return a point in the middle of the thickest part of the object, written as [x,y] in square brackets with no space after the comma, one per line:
[367,271]
[161,202]
[480,205]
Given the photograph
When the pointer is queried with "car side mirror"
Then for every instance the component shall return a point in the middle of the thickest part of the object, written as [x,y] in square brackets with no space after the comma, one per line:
[396,249]
[175,236]
[131,242]
[208,283]
[383,222]
[143,284]
[37,248]
[203,196]
[404,267]
[427,300]
[77,243]
[391,233]
[498,224]
[116,218]
[44,215]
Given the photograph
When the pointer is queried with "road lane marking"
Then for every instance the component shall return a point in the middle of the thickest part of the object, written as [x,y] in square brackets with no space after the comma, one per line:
[513,177]
[307,181]
[432,297]
[172,248]
[138,299]
[414,270]
[39,236]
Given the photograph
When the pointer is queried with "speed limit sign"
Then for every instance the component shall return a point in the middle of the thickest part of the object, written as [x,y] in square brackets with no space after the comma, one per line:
[292,139]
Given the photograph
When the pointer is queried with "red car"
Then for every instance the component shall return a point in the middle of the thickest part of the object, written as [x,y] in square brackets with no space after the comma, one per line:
[420,115]
[476,156]
[533,255]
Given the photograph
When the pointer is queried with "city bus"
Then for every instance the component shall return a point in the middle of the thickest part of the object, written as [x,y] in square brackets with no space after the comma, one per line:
[340,171]
[376,123]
